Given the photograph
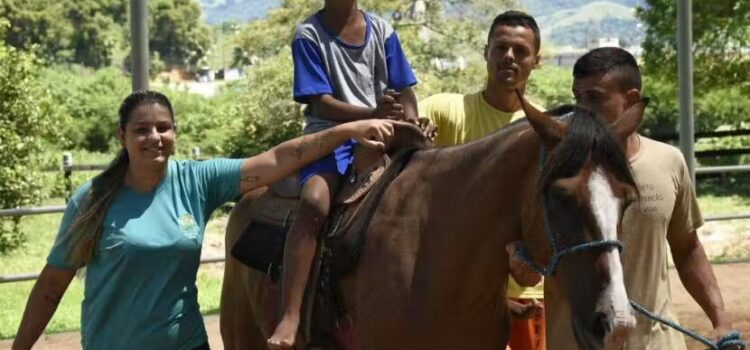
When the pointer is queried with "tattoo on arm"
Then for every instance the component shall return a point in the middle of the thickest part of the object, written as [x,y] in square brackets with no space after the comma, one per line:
[251,180]
[306,145]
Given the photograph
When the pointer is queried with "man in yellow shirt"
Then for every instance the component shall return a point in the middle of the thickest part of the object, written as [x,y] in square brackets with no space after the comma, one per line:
[511,53]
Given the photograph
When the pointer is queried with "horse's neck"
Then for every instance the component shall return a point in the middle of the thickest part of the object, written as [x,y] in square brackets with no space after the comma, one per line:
[495,172]
[483,185]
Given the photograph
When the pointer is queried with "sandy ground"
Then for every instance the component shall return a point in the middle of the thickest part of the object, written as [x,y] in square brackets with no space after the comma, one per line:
[722,240]
[734,280]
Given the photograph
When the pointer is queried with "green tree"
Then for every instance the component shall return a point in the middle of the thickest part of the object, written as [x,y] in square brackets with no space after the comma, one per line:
[89,99]
[721,34]
[27,121]
[262,112]
[177,32]
[550,86]
[87,32]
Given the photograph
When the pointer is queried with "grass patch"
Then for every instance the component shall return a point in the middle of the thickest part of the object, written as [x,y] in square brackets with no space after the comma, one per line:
[41,231]
[724,195]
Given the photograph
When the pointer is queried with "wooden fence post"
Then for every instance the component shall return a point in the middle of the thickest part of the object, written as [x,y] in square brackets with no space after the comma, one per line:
[67,171]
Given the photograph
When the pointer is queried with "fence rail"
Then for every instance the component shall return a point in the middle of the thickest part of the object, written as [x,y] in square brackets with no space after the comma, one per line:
[32,276]
[32,211]
[77,167]
[722,169]
[701,135]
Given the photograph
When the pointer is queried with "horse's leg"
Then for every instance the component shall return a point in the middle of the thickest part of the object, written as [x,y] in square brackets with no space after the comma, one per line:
[243,290]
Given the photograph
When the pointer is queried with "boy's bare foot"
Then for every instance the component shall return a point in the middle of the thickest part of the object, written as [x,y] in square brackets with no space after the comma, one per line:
[285,335]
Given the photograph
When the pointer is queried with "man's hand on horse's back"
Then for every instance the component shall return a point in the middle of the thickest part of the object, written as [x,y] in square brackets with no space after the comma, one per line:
[521,272]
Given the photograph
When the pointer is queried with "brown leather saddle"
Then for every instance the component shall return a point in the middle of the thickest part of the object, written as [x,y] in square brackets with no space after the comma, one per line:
[261,244]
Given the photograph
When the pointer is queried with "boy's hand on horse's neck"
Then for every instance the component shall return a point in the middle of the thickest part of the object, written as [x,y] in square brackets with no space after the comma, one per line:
[345,19]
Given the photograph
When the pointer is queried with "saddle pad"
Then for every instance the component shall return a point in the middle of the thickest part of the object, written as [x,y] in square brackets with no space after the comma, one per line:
[270,208]
[261,247]
[288,187]
[261,244]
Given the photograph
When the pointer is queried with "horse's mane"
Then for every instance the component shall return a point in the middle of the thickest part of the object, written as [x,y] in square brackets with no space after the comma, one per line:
[587,134]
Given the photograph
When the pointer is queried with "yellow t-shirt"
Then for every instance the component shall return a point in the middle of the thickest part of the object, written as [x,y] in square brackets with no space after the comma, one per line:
[465,118]
[667,207]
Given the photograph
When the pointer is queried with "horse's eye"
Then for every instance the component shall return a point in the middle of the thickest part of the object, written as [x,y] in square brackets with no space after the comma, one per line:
[557,193]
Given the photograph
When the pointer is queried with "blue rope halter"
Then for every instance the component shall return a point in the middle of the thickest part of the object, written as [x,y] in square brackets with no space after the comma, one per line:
[732,339]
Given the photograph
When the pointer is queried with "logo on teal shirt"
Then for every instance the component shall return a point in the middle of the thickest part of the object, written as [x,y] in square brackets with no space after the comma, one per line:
[188,226]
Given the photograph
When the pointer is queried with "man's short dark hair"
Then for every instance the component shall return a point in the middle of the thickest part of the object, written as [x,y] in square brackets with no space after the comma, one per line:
[610,59]
[514,18]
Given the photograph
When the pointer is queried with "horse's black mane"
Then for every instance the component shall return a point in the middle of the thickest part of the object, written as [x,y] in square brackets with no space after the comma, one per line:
[587,134]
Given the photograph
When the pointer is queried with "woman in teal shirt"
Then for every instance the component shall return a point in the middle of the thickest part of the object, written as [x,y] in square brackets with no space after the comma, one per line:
[138,229]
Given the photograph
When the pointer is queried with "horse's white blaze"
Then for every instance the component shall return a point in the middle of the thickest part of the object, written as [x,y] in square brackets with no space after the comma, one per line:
[606,208]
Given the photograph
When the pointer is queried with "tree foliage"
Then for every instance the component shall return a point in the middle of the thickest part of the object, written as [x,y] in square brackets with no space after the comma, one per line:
[721,35]
[77,31]
[262,109]
[177,32]
[721,31]
[550,86]
[89,99]
[27,120]
[96,33]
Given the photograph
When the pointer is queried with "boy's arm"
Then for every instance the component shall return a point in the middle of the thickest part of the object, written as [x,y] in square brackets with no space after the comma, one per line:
[409,101]
[340,111]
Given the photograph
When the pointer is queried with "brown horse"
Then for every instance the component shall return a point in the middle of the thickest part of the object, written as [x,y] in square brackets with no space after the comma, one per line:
[434,268]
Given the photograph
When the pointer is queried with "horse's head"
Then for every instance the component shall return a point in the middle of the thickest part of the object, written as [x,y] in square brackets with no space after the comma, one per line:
[585,185]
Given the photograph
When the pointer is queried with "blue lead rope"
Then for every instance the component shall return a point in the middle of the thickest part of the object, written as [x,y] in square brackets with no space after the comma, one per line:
[732,339]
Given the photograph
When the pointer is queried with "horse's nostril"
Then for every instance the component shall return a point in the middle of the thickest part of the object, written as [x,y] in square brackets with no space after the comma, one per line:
[600,325]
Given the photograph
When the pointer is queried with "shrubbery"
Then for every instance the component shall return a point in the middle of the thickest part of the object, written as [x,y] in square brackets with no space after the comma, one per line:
[27,121]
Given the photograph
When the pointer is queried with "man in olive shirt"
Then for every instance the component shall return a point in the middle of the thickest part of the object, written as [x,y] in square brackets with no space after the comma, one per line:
[608,81]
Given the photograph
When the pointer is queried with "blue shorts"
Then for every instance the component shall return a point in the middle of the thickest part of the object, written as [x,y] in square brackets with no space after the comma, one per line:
[336,163]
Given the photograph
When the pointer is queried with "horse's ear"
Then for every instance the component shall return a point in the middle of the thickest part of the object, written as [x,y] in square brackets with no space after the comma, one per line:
[549,129]
[630,121]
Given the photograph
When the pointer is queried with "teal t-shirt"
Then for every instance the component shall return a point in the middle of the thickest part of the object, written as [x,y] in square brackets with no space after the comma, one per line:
[140,288]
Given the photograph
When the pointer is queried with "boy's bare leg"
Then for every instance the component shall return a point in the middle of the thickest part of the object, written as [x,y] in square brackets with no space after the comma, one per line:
[315,203]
